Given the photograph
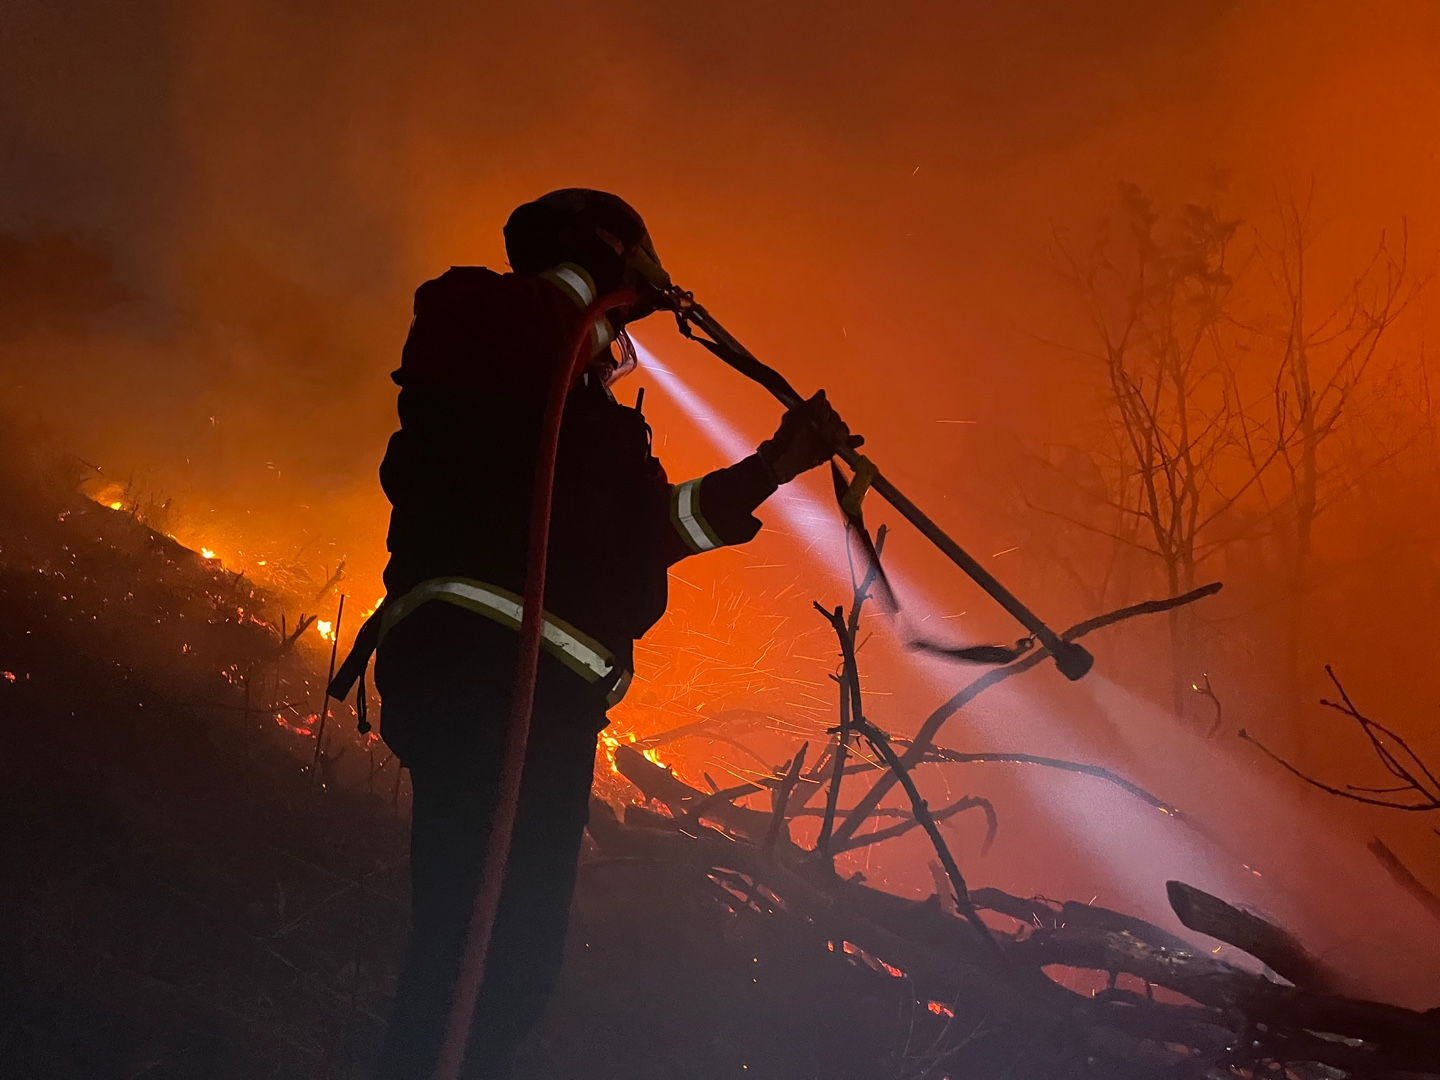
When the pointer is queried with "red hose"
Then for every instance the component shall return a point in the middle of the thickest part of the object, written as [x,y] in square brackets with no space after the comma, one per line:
[517,736]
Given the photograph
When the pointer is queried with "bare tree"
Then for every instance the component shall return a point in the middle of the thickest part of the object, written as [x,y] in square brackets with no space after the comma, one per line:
[1169,391]
[1219,406]
[1325,355]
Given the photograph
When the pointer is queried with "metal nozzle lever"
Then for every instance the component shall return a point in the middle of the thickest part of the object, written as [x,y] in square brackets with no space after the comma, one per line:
[1073,660]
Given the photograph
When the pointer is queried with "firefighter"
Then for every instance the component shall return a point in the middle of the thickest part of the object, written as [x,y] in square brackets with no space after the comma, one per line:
[473,378]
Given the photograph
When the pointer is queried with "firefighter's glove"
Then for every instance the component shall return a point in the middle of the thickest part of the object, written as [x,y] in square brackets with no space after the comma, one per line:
[809,435]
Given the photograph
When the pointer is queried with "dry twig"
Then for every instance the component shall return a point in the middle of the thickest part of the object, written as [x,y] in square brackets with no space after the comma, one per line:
[1416,778]
[924,739]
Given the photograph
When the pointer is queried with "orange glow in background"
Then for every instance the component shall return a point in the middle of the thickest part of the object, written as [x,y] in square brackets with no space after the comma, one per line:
[866,196]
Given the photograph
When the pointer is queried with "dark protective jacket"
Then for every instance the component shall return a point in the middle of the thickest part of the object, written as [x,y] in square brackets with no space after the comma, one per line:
[482,352]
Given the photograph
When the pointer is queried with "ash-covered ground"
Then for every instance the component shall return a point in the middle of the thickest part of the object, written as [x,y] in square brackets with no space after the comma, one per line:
[183,897]
[191,890]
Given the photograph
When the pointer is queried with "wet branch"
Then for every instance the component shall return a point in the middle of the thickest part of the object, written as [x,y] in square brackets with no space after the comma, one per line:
[890,832]
[925,738]
[942,755]
[881,745]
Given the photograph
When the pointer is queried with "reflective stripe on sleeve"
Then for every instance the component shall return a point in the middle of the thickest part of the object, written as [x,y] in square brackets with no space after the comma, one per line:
[687,519]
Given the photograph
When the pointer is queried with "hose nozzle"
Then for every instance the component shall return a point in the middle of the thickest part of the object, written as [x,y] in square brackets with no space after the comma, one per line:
[649,268]
[1072,660]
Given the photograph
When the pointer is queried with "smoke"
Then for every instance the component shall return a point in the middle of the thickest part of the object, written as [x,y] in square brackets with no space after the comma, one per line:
[212,217]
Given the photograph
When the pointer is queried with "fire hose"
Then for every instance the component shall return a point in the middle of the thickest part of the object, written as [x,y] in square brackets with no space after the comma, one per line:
[1072,659]
[522,702]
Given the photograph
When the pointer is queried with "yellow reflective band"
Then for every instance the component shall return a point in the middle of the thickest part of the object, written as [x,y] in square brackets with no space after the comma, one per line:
[580,653]
[689,522]
[574,282]
[602,334]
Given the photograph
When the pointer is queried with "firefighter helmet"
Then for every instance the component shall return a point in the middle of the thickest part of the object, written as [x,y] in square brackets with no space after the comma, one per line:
[597,230]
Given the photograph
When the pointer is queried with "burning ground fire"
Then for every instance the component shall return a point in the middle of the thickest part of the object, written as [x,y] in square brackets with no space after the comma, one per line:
[726,688]
[264,593]
[722,650]
[724,658]
[289,580]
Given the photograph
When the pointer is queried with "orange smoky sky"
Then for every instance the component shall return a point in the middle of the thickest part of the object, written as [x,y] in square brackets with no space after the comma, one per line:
[864,193]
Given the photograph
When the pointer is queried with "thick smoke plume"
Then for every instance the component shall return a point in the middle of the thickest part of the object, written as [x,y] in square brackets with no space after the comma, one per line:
[212,217]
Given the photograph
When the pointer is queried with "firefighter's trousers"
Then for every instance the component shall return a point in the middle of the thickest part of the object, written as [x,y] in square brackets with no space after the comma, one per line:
[445,677]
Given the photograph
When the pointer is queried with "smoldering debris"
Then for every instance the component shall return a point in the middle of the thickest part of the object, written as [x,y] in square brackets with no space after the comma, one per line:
[187,897]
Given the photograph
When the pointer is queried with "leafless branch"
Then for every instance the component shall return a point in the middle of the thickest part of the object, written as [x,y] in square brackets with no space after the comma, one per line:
[924,738]
[1415,776]
[881,744]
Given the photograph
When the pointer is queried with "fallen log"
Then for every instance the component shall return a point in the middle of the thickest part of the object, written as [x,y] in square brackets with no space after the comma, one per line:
[1045,914]
[660,784]
[1393,1036]
[1273,946]
[1233,1018]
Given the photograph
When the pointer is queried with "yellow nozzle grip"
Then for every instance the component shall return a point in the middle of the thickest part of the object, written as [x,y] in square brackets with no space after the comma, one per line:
[649,269]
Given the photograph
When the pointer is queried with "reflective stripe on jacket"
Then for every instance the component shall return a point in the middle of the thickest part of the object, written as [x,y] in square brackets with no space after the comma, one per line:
[474,375]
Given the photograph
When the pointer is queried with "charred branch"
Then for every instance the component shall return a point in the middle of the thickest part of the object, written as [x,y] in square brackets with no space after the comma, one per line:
[1041,913]
[782,800]
[1226,1017]
[1268,943]
[925,738]
[880,743]
[956,757]
[890,832]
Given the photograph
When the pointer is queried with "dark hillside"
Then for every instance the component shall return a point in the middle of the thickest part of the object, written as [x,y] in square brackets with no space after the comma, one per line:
[184,898]
[182,901]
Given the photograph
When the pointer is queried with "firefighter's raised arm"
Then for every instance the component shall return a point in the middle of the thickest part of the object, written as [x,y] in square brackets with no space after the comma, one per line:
[718,509]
